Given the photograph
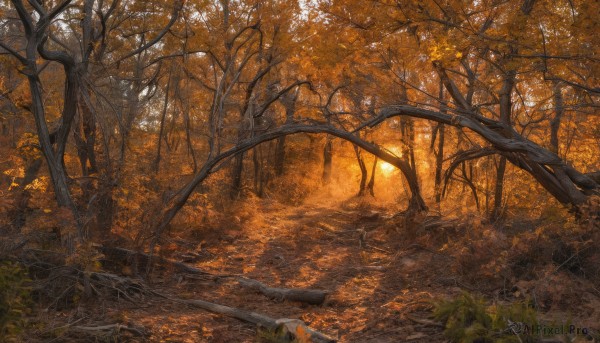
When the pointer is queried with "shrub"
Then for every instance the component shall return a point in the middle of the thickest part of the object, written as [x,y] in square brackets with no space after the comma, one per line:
[467,319]
[15,299]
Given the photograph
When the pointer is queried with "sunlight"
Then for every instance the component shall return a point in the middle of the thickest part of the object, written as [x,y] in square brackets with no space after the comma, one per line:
[386,168]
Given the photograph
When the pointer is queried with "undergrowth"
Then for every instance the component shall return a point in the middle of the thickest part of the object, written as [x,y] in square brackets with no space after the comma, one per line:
[15,300]
[470,319]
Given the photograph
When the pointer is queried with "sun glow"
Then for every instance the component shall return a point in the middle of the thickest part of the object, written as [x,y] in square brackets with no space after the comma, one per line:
[386,168]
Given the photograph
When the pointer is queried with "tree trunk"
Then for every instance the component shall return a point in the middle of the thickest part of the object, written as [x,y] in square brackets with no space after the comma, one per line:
[279,156]
[156,165]
[439,160]
[363,172]
[559,111]
[439,154]
[505,118]
[236,178]
[500,169]
[289,102]
[327,157]
[371,184]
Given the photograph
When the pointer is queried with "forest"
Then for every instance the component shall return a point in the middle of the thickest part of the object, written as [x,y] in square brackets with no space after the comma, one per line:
[300,171]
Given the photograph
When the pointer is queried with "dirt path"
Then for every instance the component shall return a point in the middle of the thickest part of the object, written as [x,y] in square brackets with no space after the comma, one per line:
[375,283]
[380,273]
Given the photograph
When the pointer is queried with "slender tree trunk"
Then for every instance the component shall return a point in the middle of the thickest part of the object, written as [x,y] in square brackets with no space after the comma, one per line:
[187,122]
[327,157]
[132,110]
[163,116]
[256,160]
[439,154]
[363,171]
[500,169]
[279,156]
[505,118]
[439,160]
[236,181]
[371,184]
[289,102]
[559,111]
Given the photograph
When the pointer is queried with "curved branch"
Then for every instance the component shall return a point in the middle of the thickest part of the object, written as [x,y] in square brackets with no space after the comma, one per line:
[174,16]
[464,156]
[181,197]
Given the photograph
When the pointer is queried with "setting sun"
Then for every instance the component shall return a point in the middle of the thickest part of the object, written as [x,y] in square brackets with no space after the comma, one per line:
[386,168]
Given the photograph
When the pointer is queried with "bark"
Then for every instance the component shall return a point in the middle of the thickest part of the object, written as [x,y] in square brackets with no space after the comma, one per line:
[505,118]
[132,110]
[162,126]
[279,156]
[236,182]
[439,154]
[439,160]
[371,184]
[500,170]
[559,111]
[308,296]
[327,157]
[363,171]
[289,102]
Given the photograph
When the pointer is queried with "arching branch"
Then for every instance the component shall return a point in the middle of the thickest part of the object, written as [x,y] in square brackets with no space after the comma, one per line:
[181,197]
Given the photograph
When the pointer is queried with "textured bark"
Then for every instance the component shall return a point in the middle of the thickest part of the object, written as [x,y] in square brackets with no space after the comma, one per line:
[505,118]
[363,171]
[439,160]
[163,116]
[371,184]
[304,295]
[327,157]
[559,111]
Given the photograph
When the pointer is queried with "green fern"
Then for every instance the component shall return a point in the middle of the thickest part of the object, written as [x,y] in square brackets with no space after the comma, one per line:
[468,319]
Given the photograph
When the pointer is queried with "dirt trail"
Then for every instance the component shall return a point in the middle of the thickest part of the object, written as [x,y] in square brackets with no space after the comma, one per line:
[380,271]
[376,283]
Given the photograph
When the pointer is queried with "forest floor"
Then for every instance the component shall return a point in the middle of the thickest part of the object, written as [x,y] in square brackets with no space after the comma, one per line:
[381,277]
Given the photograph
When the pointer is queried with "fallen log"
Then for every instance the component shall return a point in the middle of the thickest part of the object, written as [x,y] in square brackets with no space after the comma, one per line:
[295,327]
[309,296]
